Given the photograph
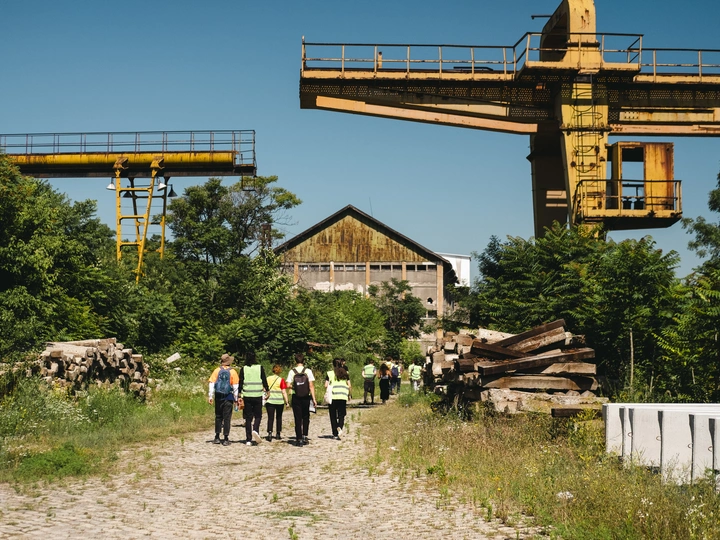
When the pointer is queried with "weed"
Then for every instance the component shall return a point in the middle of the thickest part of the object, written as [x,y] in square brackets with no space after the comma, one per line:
[555,471]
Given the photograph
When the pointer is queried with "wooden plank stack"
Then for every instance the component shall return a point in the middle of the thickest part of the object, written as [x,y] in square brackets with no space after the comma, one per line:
[103,362]
[546,358]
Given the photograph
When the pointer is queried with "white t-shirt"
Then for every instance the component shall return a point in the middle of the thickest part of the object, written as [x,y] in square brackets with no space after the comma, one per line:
[298,369]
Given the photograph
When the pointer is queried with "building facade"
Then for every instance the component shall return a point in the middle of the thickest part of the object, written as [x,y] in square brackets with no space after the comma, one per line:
[351,250]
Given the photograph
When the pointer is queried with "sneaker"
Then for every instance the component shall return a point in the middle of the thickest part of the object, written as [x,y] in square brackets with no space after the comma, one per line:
[249,443]
[226,442]
[336,437]
[340,434]
[278,437]
[299,442]
[256,437]
[217,440]
[269,437]
[306,440]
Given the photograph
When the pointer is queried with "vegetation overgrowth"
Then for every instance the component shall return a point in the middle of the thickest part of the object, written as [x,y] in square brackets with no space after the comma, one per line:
[555,471]
[47,434]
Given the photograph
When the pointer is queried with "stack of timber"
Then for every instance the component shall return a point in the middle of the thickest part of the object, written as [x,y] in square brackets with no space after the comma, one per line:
[546,358]
[102,362]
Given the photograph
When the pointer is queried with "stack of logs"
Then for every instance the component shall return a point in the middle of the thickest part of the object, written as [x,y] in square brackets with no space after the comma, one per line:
[545,358]
[102,362]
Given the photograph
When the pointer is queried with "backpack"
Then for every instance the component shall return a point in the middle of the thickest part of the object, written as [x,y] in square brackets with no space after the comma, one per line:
[301,383]
[395,371]
[222,384]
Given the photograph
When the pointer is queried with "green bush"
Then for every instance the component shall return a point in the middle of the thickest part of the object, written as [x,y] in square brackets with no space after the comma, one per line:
[66,460]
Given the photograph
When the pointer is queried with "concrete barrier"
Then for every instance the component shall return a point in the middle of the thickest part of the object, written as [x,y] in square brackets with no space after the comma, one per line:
[715,434]
[702,444]
[619,430]
[676,442]
[617,417]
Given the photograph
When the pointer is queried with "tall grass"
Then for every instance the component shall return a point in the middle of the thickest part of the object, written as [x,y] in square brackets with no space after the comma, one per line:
[555,470]
[46,433]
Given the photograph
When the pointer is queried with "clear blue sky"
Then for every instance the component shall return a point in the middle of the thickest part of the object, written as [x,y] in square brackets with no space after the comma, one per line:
[159,65]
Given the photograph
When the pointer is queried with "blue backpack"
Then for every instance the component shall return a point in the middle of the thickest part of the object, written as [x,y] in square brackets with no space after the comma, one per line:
[222,385]
[395,372]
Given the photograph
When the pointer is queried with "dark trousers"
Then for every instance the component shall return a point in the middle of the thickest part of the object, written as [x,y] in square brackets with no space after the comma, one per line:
[384,389]
[338,410]
[253,415]
[223,413]
[369,388]
[272,411]
[301,412]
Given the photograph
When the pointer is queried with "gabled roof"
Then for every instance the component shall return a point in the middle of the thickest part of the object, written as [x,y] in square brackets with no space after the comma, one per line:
[359,215]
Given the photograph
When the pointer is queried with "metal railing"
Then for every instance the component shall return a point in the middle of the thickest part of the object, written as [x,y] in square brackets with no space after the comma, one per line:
[504,59]
[633,197]
[240,142]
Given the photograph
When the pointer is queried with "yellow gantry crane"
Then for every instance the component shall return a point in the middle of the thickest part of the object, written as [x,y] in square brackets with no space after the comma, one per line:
[567,87]
[140,166]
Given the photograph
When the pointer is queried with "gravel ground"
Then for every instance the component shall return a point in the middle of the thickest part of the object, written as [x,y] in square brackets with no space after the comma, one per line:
[190,488]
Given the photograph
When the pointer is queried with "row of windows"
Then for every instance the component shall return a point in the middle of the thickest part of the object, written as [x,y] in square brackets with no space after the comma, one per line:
[361,267]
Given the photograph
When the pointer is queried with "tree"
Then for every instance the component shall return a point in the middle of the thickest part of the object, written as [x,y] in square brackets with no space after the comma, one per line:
[216,230]
[402,312]
[602,289]
[51,273]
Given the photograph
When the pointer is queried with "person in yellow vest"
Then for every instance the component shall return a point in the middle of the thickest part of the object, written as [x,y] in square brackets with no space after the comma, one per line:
[337,382]
[223,391]
[368,374]
[253,384]
[277,400]
[415,375]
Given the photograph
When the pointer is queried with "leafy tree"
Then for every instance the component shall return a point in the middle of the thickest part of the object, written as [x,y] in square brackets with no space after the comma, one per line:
[50,255]
[402,311]
[601,288]
[691,367]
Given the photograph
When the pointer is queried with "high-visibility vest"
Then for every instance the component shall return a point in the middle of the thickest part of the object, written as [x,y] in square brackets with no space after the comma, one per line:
[340,390]
[369,371]
[276,395]
[252,382]
[331,376]
[415,372]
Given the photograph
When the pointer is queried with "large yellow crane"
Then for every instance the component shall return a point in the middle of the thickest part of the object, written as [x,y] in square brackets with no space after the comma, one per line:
[139,165]
[567,87]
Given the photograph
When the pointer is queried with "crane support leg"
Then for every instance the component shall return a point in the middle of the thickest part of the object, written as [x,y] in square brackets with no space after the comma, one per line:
[548,179]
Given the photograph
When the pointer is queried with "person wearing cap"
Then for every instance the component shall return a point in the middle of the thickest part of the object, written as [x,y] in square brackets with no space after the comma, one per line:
[253,386]
[223,387]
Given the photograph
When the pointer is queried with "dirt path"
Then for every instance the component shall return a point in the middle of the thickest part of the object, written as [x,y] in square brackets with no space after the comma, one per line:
[190,488]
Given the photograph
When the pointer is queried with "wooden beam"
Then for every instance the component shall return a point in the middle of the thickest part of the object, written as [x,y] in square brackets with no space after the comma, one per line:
[490,350]
[518,339]
[543,382]
[492,368]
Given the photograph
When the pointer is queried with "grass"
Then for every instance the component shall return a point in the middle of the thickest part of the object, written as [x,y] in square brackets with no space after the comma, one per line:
[554,470]
[46,434]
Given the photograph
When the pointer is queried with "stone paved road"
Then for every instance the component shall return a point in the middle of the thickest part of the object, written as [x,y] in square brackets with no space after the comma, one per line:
[190,488]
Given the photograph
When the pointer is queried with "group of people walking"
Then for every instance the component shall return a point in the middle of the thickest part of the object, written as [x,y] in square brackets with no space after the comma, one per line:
[390,375]
[250,389]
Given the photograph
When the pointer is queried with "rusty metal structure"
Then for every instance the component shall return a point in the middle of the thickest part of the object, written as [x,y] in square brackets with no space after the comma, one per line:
[568,87]
[140,166]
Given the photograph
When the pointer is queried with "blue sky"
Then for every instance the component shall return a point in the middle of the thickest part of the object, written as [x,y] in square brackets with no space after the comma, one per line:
[84,66]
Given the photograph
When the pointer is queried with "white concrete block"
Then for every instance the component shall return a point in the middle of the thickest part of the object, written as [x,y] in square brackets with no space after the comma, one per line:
[616,415]
[702,444]
[676,443]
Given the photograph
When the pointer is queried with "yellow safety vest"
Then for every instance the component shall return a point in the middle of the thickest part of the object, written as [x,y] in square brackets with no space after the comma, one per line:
[340,390]
[252,382]
[415,372]
[368,371]
[276,395]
